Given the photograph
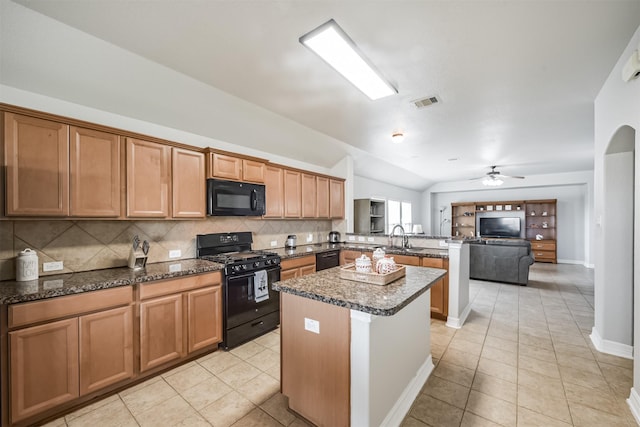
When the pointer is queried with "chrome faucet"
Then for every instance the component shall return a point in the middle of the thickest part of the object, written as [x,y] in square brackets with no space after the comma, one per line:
[405,239]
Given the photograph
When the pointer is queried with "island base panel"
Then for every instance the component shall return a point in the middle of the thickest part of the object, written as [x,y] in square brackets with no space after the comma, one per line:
[316,366]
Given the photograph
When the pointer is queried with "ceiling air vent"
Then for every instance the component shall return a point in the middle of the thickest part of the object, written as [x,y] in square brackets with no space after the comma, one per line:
[425,102]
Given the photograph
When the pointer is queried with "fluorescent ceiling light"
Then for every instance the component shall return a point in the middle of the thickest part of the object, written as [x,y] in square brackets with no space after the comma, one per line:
[333,45]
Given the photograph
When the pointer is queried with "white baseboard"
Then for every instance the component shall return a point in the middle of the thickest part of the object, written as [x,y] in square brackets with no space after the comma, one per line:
[570,261]
[457,322]
[610,347]
[634,404]
[410,393]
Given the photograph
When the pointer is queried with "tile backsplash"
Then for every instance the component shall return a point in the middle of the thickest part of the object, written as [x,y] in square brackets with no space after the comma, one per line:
[92,245]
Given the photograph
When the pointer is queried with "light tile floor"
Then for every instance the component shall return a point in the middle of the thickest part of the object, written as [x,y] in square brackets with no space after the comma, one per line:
[523,358]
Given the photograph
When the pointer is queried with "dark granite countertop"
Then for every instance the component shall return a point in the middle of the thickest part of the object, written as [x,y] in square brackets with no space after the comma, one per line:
[12,292]
[304,250]
[327,286]
[424,252]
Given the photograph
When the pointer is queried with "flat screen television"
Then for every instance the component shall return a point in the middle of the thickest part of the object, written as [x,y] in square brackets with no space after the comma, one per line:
[500,227]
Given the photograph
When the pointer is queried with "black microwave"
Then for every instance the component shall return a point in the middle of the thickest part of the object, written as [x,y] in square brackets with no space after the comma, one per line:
[231,198]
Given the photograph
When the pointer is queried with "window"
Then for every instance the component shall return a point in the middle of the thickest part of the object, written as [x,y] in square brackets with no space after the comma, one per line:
[398,213]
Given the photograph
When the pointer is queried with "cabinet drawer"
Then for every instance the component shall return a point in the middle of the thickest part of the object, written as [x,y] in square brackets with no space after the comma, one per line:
[433,262]
[54,308]
[543,246]
[544,255]
[405,259]
[298,262]
[172,286]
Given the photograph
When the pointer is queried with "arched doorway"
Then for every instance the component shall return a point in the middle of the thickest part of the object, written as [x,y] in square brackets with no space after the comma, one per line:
[613,330]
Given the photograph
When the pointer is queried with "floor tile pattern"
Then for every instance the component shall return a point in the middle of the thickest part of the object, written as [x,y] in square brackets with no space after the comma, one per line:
[523,358]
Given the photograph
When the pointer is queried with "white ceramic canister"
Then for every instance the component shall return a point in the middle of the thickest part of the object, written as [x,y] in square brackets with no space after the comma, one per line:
[26,265]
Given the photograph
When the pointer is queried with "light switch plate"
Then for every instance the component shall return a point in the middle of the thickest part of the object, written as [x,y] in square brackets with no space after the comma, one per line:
[274,243]
[370,239]
[177,253]
[351,238]
[443,243]
[360,238]
[52,266]
[312,325]
[310,238]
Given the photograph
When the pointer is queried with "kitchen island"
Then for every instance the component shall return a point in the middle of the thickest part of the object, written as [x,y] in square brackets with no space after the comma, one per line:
[354,353]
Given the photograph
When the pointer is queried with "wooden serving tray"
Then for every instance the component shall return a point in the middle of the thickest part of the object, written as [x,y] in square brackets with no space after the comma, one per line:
[349,272]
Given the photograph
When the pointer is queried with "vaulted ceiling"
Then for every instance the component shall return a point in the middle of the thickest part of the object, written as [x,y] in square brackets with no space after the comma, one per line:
[516,80]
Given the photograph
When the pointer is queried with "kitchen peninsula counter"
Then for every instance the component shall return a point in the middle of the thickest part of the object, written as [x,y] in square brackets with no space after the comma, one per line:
[354,353]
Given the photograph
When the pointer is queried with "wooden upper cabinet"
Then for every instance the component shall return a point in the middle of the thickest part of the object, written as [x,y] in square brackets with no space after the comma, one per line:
[188,184]
[226,167]
[96,173]
[148,179]
[322,193]
[274,192]
[336,198]
[235,168]
[292,194]
[253,171]
[37,161]
[309,196]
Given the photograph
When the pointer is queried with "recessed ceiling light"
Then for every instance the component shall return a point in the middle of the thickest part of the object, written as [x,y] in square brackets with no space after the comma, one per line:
[333,45]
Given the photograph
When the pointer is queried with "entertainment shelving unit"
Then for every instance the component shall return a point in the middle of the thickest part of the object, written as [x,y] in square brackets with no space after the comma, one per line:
[539,222]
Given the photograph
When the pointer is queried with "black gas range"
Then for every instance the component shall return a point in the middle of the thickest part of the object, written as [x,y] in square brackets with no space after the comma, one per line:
[250,307]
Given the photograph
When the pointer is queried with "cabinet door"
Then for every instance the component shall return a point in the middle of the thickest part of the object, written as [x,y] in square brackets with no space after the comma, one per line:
[289,274]
[349,257]
[106,348]
[322,192]
[43,366]
[227,167]
[309,196]
[204,317]
[148,179]
[274,189]
[292,194]
[307,269]
[252,171]
[439,290]
[188,184]
[37,159]
[336,198]
[95,173]
[161,325]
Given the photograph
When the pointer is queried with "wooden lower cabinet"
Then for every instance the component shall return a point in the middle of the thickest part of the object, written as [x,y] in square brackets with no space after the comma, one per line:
[160,331]
[106,348]
[43,367]
[297,267]
[440,289]
[204,319]
[349,257]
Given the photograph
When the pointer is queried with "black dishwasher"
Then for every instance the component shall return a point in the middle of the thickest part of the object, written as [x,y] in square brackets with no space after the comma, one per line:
[328,259]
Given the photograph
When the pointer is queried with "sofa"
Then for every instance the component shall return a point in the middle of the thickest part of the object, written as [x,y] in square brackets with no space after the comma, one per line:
[500,260]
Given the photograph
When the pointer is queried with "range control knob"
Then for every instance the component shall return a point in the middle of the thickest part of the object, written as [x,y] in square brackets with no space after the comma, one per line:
[256,264]
[244,266]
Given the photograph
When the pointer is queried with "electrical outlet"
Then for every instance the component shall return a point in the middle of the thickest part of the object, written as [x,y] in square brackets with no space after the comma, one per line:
[310,238]
[274,243]
[312,325]
[443,243]
[52,266]
[352,238]
[370,239]
[176,253]
[360,238]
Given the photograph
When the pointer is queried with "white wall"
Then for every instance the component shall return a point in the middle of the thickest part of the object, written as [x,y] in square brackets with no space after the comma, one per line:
[365,188]
[572,190]
[617,105]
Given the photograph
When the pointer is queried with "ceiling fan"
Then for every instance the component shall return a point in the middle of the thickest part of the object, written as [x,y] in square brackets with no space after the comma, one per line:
[495,178]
